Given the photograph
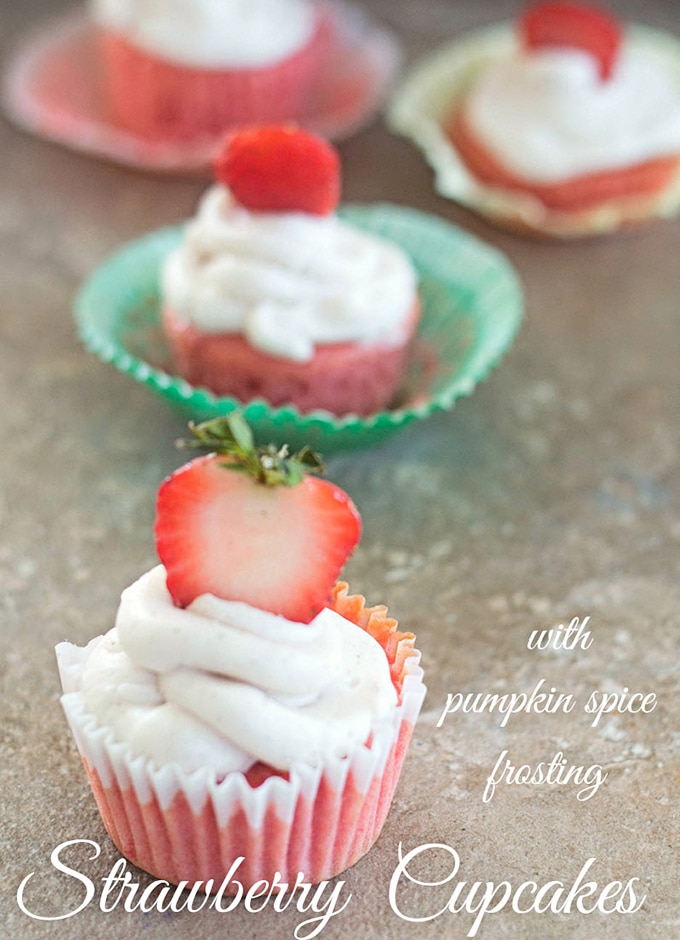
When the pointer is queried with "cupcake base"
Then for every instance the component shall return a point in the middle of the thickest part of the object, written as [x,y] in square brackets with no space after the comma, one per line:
[422,109]
[153,98]
[314,822]
[343,378]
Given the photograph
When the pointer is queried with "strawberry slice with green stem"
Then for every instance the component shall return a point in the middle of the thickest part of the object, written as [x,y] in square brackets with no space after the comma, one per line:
[555,24]
[280,168]
[251,524]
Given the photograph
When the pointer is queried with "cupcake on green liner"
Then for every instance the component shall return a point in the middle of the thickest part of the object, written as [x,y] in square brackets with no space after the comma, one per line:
[272,295]
[471,303]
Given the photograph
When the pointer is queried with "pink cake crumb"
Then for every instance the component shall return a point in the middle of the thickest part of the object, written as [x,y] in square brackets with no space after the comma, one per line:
[343,378]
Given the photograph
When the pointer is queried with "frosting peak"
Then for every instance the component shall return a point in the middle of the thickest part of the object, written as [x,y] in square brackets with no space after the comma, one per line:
[223,685]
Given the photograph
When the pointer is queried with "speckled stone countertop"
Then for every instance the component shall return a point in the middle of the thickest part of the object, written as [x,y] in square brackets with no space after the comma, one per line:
[552,493]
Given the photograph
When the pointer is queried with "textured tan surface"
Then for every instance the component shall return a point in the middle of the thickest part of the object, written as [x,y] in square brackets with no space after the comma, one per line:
[553,492]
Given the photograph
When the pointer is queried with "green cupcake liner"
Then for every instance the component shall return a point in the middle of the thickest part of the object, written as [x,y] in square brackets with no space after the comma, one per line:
[472,308]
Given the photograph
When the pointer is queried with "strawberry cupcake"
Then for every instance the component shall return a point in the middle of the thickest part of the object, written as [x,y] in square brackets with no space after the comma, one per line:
[187,69]
[272,295]
[568,125]
[246,715]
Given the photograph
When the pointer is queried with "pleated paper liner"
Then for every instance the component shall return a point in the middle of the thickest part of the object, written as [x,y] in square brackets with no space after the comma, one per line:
[51,88]
[472,308]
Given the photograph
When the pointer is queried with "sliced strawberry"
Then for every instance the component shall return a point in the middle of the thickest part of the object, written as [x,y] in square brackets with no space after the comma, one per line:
[277,547]
[280,168]
[576,26]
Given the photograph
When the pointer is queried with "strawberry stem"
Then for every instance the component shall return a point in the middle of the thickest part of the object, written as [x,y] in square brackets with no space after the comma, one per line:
[271,466]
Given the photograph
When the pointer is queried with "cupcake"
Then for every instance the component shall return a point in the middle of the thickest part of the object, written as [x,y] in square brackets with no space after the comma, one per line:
[246,715]
[569,125]
[271,295]
[187,69]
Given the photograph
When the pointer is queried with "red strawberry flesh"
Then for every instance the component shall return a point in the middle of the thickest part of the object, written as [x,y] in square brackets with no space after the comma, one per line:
[575,26]
[280,168]
[278,548]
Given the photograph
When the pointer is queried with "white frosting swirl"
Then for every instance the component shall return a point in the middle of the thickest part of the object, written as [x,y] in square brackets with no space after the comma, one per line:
[211,33]
[287,280]
[222,685]
[547,115]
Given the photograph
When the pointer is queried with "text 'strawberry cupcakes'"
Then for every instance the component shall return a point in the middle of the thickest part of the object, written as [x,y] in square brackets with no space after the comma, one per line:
[245,706]
[569,126]
[191,68]
[271,295]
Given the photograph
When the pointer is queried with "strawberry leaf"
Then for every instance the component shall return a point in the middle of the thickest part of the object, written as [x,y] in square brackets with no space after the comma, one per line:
[232,437]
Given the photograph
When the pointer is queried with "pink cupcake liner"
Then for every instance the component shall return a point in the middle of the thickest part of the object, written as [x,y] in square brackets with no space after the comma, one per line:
[51,87]
[157,99]
[191,827]
[342,378]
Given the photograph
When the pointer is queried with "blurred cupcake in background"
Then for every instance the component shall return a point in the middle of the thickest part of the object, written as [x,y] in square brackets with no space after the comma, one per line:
[190,68]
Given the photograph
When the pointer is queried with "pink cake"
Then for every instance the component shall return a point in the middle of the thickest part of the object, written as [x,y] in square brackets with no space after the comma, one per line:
[578,118]
[192,69]
[341,378]
[271,295]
